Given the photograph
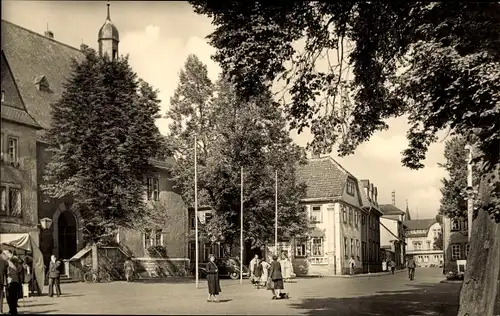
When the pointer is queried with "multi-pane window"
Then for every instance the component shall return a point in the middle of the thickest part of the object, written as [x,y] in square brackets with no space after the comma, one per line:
[357,248]
[158,240]
[352,247]
[14,202]
[429,245]
[300,248]
[350,216]
[192,250]
[208,217]
[455,252]
[363,219]
[147,238]
[346,246]
[467,247]
[153,237]
[153,191]
[417,245]
[356,218]
[465,224]
[3,201]
[13,148]
[317,247]
[192,222]
[350,187]
[316,214]
[344,214]
[455,224]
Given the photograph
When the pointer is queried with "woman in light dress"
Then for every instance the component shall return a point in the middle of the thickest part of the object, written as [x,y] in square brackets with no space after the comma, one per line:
[265,272]
[286,267]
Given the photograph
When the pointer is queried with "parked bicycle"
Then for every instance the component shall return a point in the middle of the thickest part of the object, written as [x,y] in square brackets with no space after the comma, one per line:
[93,276]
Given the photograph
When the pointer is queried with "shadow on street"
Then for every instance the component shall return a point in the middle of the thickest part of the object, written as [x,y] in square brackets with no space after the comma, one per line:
[430,300]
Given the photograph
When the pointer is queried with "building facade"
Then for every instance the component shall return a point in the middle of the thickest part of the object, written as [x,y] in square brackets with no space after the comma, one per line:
[455,242]
[344,219]
[39,65]
[392,234]
[18,186]
[421,235]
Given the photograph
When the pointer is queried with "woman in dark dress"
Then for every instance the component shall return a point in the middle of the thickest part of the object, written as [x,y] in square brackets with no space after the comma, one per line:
[213,280]
[277,278]
[257,273]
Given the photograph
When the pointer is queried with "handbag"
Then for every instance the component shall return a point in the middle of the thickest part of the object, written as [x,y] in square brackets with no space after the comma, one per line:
[270,284]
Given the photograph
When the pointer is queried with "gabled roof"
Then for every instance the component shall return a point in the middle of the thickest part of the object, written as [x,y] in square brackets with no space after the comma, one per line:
[324,177]
[389,209]
[420,224]
[32,55]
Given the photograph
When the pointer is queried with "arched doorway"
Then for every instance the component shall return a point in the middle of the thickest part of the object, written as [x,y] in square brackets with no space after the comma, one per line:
[67,235]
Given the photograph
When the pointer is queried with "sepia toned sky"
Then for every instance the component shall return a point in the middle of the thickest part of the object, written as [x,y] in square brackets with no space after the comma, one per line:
[160,35]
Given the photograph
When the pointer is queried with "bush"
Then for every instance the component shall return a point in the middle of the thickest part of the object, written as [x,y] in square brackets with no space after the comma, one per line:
[157,252]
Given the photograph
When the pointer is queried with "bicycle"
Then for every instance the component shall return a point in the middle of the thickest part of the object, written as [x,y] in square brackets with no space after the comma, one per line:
[97,276]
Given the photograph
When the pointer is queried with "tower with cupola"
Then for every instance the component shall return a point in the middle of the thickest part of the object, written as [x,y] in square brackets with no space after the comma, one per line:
[108,38]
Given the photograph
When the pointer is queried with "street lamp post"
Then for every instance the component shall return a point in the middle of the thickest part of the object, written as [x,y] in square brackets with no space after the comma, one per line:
[241,229]
[196,211]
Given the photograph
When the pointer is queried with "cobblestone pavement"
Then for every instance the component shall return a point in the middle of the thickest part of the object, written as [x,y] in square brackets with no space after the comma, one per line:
[378,295]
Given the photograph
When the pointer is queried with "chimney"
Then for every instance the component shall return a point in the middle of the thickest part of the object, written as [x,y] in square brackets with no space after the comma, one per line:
[375,194]
[49,34]
[394,197]
[366,187]
[372,187]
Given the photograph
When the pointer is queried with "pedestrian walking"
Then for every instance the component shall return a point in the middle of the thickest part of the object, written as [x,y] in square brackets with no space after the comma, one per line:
[3,278]
[251,266]
[129,269]
[411,267]
[213,280]
[257,272]
[275,282]
[392,264]
[13,281]
[265,272]
[287,267]
[352,265]
[54,276]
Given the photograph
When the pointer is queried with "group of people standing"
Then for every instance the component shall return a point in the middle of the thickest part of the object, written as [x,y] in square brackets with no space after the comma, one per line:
[11,280]
[271,275]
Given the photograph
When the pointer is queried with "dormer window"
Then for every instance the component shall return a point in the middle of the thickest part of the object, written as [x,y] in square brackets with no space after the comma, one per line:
[350,187]
[42,84]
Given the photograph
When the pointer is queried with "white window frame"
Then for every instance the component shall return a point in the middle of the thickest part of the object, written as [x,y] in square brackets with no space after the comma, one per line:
[3,200]
[346,247]
[467,249]
[344,214]
[316,215]
[350,187]
[455,224]
[153,188]
[456,252]
[353,247]
[300,248]
[358,254]
[157,242]
[317,248]
[14,155]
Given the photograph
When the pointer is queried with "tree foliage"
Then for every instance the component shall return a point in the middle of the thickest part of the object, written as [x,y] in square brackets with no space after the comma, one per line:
[102,137]
[435,63]
[231,136]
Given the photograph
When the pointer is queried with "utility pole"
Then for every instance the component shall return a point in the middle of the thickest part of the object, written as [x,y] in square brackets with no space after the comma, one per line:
[470,194]
[276,211]
[241,230]
[196,210]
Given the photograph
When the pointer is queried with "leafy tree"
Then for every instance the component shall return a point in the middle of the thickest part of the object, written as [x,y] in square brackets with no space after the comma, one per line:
[231,136]
[102,137]
[436,63]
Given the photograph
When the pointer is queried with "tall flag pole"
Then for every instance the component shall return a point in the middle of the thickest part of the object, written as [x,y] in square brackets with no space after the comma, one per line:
[276,211]
[241,230]
[196,210]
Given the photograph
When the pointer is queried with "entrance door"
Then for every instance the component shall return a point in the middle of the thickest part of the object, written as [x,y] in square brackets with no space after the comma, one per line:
[67,235]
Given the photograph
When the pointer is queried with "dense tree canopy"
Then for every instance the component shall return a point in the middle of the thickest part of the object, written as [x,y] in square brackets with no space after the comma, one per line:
[436,63]
[231,136]
[102,138]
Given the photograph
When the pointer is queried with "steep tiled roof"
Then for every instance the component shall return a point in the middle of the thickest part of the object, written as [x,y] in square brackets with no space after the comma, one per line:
[31,55]
[324,177]
[419,224]
[17,115]
[389,209]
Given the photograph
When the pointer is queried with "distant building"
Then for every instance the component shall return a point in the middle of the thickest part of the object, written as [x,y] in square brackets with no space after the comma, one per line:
[344,218]
[420,238]
[455,242]
[392,234]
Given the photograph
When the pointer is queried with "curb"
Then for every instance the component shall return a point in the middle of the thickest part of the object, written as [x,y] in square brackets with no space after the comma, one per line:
[452,281]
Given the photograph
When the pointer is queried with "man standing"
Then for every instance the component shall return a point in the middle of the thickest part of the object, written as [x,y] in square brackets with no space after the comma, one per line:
[54,276]
[352,265]
[253,262]
[13,281]
[411,267]
[3,277]
[392,264]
